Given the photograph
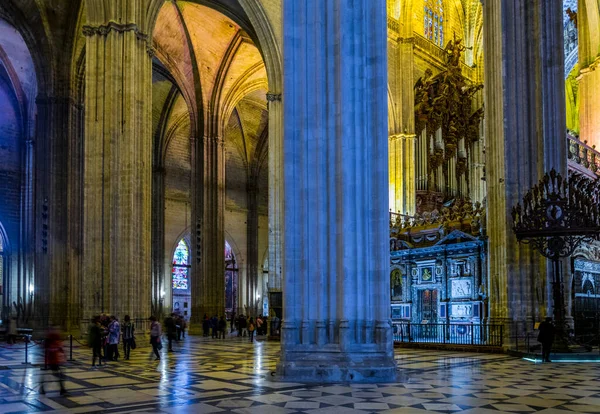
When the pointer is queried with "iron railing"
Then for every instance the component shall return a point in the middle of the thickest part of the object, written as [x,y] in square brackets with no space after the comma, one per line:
[582,154]
[452,333]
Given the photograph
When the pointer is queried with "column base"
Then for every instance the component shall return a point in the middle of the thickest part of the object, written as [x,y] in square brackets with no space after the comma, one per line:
[336,367]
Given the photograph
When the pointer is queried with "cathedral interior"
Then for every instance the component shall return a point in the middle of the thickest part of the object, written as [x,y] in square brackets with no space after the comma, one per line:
[345,168]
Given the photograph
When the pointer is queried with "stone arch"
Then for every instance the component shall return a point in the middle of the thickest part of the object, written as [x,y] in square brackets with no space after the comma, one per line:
[35,38]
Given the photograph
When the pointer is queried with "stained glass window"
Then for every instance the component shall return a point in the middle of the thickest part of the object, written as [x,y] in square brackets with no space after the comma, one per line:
[434,21]
[181,260]
[231,273]
[570,34]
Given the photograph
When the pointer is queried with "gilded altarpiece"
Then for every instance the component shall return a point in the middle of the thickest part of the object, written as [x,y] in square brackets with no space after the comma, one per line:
[438,266]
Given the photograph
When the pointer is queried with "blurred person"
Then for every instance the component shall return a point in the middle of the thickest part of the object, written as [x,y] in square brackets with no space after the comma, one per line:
[95,341]
[171,328]
[546,337]
[55,357]
[11,332]
[128,330]
[205,325]
[251,329]
[259,325]
[114,333]
[221,328]
[155,334]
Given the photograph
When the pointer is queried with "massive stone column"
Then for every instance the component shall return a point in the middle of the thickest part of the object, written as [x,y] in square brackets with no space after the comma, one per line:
[525,131]
[336,324]
[118,159]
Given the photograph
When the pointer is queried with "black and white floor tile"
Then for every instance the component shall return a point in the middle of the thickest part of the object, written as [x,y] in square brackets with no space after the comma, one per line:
[234,376]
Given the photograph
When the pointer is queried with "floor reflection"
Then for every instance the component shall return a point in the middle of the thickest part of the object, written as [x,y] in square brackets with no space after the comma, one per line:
[233,375]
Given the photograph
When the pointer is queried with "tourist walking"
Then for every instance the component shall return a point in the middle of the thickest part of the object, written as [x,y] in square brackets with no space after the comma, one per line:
[259,325]
[205,325]
[214,326]
[128,330]
[243,326]
[222,327]
[546,337]
[251,328]
[114,333]
[155,334]
[171,330]
[95,341]
[55,357]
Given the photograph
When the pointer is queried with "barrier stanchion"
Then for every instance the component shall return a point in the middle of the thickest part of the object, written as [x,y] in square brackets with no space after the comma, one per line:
[26,351]
[70,348]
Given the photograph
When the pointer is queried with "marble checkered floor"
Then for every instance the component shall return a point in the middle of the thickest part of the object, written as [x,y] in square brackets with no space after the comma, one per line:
[232,375]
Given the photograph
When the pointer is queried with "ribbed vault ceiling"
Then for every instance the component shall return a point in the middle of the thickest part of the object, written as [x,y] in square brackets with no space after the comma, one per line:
[217,69]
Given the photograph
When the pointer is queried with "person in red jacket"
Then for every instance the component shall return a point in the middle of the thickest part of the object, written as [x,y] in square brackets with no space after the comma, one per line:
[55,357]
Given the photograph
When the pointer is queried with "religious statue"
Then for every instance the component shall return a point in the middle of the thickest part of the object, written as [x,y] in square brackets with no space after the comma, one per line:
[453,50]
[396,284]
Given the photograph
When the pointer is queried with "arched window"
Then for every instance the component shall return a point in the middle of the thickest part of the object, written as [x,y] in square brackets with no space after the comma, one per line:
[231,273]
[434,21]
[181,265]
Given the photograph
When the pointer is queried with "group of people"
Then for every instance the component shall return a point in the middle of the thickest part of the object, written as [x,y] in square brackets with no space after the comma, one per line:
[106,332]
[245,326]
[214,326]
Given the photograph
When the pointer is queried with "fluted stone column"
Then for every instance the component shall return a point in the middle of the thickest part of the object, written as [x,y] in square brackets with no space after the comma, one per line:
[525,129]
[253,283]
[118,159]
[276,194]
[208,206]
[589,111]
[336,324]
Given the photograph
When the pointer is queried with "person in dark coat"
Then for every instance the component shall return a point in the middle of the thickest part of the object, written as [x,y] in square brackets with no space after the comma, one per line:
[95,341]
[171,329]
[214,325]
[128,330]
[243,324]
[205,325]
[546,337]
[222,327]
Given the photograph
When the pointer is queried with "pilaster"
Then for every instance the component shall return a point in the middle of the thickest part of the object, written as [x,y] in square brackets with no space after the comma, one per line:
[276,193]
[252,246]
[402,173]
[336,184]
